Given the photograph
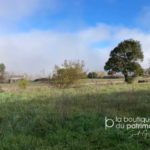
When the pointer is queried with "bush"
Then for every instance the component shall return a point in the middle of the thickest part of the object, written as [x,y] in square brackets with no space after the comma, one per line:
[2,79]
[23,83]
[92,75]
[131,80]
[141,74]
[67,76]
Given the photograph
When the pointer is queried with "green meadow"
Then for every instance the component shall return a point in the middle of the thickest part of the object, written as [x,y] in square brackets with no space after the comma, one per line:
[74,118]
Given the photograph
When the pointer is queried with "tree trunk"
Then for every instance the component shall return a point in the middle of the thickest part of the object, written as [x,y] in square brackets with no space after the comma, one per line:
[126,77]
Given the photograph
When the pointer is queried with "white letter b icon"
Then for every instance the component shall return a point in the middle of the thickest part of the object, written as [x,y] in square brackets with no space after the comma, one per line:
[106,126]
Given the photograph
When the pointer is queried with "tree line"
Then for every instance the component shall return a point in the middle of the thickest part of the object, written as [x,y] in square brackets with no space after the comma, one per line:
[124,58]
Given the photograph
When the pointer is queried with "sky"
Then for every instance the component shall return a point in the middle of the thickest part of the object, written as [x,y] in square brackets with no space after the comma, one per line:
[37,34]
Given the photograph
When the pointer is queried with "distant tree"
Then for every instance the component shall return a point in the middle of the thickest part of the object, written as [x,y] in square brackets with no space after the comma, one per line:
[98,72]
[102,74]
[54,76]
[112,73]
[124,58]
[69,74]
[92,75]
[2,72]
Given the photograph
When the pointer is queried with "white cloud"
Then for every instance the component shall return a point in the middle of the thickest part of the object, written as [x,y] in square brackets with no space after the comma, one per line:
[18,9]
[15,14]
[36,50]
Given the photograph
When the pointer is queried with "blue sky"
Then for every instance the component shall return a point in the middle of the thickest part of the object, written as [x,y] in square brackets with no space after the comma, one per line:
[38,34]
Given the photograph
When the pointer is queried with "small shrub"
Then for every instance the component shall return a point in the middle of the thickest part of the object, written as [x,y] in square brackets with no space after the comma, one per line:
[23,83]
[39,89]
[130,80]
[2,79]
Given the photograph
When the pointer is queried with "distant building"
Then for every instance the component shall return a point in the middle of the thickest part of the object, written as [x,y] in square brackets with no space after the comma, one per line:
[15,78]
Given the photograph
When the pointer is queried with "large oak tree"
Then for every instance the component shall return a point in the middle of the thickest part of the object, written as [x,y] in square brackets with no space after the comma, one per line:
[125,58]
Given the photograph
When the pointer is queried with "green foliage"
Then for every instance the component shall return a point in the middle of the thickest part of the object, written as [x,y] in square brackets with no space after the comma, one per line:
[2,69]
[124,58]
[67,76]
[131,80]
[141,74]
[23,84]
[92,75]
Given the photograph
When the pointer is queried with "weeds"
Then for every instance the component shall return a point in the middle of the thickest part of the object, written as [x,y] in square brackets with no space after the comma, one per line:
[39,89]
[72,118]
[23,84]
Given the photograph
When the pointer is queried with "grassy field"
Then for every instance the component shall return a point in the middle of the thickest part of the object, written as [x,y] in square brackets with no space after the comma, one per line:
[106,80]
[73,118]
[33,85]
[88,80]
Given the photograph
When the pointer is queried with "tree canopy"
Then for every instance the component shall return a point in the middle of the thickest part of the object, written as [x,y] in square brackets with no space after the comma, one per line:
[124,58]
